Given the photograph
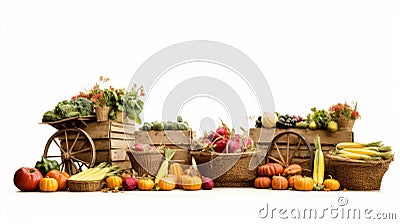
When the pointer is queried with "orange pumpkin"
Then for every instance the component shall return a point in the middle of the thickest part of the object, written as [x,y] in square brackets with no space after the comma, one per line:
[279,183]
[167,183]
[176,169]
[304,184]
[262,182]
[292,169]
[145,184]
[331,184]
[61,178]
[270,169]
[48,184]
[191,183]
[291,180]
[114,182]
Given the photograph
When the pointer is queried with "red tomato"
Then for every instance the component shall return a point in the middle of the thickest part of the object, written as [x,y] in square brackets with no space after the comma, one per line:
[27,179]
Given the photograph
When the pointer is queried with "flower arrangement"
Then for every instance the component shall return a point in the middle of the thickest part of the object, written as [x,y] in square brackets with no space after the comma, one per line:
[344,111]
[119,99]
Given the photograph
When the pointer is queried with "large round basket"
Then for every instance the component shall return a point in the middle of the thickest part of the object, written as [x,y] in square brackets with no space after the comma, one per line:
[145,163]
[229,169]
[358,174]
[85,186]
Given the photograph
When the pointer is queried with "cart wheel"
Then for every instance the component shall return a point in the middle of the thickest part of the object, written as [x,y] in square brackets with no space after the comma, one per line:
[291,147]
[73,148]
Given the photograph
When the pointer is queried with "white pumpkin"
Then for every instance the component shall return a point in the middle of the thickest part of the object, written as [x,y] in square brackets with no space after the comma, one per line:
[269,119]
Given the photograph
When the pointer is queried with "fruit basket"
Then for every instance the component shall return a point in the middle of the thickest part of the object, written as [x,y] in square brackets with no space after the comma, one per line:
[229,169]
[85,186]
[359,174]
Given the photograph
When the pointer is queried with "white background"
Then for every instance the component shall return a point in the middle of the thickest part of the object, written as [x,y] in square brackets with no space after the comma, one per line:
[312,53]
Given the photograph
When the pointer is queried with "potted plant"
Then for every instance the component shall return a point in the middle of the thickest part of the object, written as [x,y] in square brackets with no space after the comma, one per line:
[344,114]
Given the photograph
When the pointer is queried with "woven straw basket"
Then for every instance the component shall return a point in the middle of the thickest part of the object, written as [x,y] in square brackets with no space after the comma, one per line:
[87,186]
[358,174]
[145,163]
[234,167]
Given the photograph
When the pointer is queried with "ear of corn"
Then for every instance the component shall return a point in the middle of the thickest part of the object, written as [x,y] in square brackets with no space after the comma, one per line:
[163,170]
[98,172]
[343,145]
[319,165]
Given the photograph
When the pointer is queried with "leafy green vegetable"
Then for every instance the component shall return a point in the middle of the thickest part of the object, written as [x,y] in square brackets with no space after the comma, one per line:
[69,108]
[320,117]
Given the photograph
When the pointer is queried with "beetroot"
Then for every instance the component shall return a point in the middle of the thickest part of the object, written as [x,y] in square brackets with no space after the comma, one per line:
[212,136]
[234,146]
[220,145]
[129,183]
[207,184]
[222,131]
[138,147]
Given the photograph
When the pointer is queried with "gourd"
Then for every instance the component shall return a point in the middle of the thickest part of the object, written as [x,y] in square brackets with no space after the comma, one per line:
[292,179]
[270,169]
[262,182]
[331,184]
[292,169]
[279,183]
[176,169]
[167,183]
[48,184]
[113,182]
[304,184]
[145,184]
[191,183]
[61,178]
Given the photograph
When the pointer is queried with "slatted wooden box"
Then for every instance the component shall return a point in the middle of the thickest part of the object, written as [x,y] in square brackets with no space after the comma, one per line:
[263,137]
[111,140]
[177,140]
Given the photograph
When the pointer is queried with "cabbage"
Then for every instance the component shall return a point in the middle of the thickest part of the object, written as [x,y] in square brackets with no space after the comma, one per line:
[269,119]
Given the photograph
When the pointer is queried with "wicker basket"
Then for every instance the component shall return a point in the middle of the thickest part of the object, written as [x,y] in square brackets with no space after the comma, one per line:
[87,186]
[145,163]
[229,169]
[358,174]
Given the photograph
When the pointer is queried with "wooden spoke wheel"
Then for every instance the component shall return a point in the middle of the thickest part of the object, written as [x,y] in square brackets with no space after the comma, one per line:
[291,148]
[72,148]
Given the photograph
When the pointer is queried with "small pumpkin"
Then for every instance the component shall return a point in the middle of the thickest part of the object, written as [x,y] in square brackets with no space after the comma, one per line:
[61,178]
[262,182]
[331,184]
[191,183]
[48,184]
[291,180]
[270,169]
[176,169]
[279,183]
[145,184]
[192,172]
[304,184]
[167,183]
[113,182]
[292,169]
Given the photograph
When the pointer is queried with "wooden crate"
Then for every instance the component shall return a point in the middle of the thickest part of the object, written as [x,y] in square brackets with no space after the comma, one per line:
[111,141]
[263,136]
[179,141]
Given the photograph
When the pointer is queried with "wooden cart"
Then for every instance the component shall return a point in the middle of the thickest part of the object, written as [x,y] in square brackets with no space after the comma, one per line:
[81,142]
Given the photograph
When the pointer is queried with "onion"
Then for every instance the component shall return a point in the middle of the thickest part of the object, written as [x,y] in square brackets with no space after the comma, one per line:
[129,183]
[208,183]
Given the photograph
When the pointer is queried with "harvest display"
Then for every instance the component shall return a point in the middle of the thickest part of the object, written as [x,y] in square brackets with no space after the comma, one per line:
[94,152]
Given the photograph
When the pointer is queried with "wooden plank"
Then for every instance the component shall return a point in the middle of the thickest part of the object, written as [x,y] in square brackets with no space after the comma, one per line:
[98,129]
[264,135]
[118,143]
[118,155]
[101,156]
[122,128]
[118,135]
[122,164]
[164,137]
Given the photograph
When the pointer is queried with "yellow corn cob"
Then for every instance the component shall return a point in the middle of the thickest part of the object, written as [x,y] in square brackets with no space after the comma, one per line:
[342,145]
[163,170]
[352,155]
[364,151]
[319,165]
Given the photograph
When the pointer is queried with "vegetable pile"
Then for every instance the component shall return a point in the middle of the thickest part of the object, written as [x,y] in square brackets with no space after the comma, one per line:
[179,124]
[68,109]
